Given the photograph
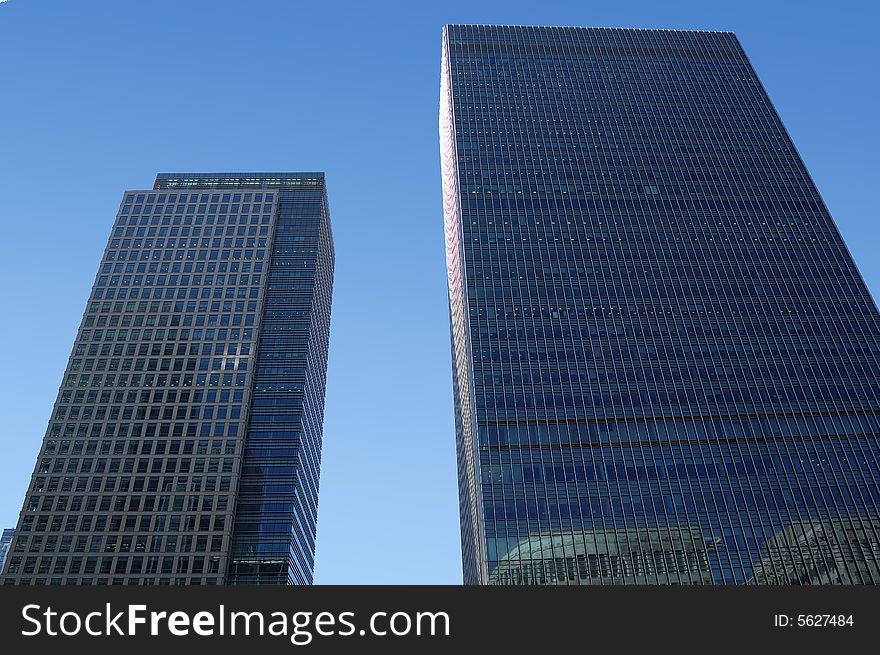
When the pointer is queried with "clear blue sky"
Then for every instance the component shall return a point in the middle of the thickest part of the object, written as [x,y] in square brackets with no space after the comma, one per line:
[98,96]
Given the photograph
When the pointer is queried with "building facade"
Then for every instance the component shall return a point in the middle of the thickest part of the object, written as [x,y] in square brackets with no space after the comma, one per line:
[665,361]
[184,446]
[5,540]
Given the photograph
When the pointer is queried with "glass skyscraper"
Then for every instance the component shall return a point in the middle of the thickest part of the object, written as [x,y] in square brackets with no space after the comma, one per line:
[185,443]
[5,540]
[665,360]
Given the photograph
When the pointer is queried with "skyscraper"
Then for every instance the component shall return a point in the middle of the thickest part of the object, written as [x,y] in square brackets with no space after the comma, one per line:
[185,443]
[5,540]
[665,360]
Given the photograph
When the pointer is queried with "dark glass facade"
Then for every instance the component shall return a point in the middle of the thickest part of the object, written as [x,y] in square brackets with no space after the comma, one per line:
[665,360]
[5,540]
[184,446]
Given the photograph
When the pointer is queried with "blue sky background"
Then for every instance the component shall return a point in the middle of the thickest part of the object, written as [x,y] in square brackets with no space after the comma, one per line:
[98,96]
